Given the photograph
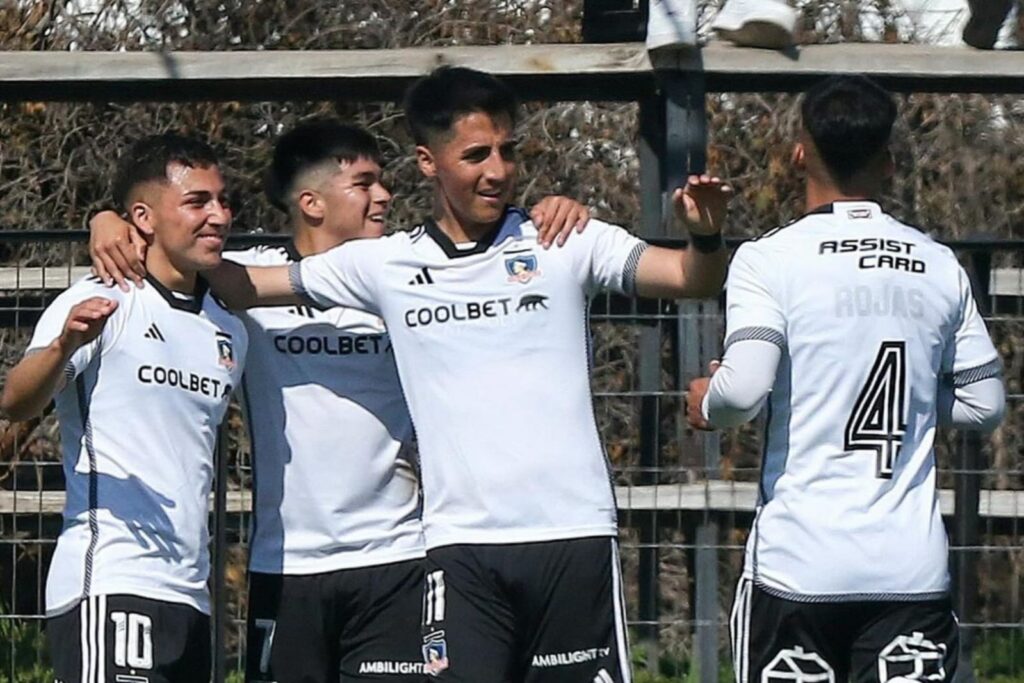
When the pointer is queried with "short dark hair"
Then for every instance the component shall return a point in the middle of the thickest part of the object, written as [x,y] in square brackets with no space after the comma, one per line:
[310,144]
[146,160]
[434,102]
[850,119]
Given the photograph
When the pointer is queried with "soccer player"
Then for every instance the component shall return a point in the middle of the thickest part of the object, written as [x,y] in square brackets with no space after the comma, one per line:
[142,379]
[492,347]
[861,334]
[336,554]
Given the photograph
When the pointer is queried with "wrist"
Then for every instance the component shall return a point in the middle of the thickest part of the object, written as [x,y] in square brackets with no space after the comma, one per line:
[63,347]
[707,244]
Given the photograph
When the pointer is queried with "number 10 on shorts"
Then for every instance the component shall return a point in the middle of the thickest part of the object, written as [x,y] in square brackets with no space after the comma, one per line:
[133,640]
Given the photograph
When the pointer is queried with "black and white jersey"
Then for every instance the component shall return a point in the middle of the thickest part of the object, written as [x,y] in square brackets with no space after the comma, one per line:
[138,421]
[492,346]
[871,315]
[335,486]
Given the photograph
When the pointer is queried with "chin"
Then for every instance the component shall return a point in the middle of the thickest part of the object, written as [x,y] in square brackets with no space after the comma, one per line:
[207,262]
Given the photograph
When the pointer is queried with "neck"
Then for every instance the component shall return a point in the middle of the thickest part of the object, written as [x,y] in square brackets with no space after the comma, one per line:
[458,229]
[164,272]
[820,194]
[310,240]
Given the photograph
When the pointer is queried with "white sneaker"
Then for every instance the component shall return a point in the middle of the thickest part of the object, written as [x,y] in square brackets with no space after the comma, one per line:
[757,23]
[672,23]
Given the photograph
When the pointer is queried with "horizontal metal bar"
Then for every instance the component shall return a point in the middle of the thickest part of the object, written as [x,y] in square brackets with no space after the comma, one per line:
[614,71]
[710,496]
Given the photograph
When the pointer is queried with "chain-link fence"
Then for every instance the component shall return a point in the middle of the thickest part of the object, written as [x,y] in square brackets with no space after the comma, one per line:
[686,501]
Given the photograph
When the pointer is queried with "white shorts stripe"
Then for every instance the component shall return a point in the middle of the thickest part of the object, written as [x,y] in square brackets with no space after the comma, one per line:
[83,635]
[619,605]
[101,650]
[739,625]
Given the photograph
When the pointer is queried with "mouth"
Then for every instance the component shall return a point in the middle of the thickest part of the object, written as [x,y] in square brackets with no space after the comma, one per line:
[492,196]
[377,218]
[210,238]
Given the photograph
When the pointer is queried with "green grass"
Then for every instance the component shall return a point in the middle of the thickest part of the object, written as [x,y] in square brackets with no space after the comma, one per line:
[23,651]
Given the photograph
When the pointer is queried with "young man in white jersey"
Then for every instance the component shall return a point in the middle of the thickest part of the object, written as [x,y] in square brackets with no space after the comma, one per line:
[335,582]
[142,379]
[491,341]
[862,336]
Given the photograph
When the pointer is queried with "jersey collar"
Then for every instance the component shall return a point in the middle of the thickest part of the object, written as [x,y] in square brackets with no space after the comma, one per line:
[831,206]
[510,226]
[192,304]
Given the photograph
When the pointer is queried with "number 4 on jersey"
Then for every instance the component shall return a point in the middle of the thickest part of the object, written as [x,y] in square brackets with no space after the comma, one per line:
[878,420]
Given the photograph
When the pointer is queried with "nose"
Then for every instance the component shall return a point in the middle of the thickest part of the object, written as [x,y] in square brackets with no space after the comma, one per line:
[219,213]
[497,168]
[379,194]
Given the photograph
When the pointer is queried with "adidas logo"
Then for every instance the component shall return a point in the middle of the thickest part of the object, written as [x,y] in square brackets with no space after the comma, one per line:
[154,333]
[603,677]
[304,311]
[422,278]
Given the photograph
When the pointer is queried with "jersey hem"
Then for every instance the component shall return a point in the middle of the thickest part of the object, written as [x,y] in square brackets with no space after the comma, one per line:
[876,596]
[323,567]
[514,536]
[147,593]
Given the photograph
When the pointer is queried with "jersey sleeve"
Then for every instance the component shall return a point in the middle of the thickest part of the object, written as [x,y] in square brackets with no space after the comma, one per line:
[753,310]
[969,354]
[605,257]
[347,275]
[51,324]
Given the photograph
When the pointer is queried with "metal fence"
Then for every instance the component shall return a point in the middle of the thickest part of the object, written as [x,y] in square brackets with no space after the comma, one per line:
[686,500]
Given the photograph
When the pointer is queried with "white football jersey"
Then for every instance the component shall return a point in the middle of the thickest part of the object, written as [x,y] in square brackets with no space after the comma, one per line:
[334,483]
[492,345]
[870,315]
[138,423]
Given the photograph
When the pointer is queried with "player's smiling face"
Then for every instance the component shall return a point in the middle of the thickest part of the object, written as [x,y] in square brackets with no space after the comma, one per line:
[187,217]
[474,166]
[354,200]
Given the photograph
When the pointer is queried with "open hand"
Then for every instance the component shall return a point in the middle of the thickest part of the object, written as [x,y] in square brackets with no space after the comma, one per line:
[117,250]
[556,217]
[702,204]
[85,321]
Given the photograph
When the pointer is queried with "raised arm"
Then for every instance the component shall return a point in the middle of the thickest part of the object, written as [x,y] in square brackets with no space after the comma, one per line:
[242,287]
[41,373]
[699,270]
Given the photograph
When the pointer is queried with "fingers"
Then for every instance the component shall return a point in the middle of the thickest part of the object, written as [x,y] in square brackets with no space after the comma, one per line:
[561,224]
[117,262]
[556,218]
[713,367]
[694,400]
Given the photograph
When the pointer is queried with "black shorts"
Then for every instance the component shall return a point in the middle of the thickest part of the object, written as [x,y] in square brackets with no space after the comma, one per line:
[129,639]
[871,641]
[356,624]
[530,612]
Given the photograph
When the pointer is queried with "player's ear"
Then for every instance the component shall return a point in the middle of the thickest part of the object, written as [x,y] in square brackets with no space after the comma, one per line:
[799,158]
[140,214]
[425,160]
[311,204]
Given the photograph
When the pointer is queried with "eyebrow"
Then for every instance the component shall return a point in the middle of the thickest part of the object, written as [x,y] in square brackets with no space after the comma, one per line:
[366,175]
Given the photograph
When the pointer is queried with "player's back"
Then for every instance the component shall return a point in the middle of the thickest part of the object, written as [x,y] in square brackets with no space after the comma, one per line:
[867,311]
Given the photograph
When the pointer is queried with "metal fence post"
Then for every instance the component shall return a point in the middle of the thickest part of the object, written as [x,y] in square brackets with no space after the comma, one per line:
[686,152]
[651,152]
[967,496]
